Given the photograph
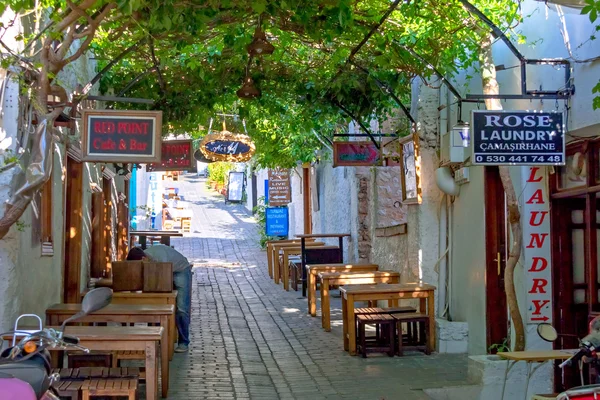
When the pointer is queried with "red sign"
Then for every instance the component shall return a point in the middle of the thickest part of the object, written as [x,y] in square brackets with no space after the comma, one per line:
[536,237]
[354,154]
[121,136]
[176,155]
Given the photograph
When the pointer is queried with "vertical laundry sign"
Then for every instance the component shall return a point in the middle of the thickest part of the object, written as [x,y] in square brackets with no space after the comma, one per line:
[536,240]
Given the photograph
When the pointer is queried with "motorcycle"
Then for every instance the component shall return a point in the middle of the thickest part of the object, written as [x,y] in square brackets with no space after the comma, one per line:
[588,347]
[25,368]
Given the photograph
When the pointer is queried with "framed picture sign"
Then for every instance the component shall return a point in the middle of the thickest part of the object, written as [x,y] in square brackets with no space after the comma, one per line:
[410,169]
[121,136]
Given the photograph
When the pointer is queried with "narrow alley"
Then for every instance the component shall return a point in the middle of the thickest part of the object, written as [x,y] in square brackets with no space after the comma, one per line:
[252,340]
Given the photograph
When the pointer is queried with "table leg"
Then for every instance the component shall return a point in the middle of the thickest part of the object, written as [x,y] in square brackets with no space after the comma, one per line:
[269,260]
[285,271]
[351,325]
[303,260]
[166,240]
[325,308]
[276,266]
[344,321]
[151,370]
[164,365]
[341,244]
[527,379]
[174,334]
[143,241]
[431,314]
[312,293]
[165,322]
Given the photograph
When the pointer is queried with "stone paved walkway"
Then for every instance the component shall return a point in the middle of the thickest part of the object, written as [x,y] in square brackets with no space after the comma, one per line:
[252,340]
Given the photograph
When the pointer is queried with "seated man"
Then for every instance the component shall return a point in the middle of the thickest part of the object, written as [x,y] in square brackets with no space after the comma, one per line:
[182,281]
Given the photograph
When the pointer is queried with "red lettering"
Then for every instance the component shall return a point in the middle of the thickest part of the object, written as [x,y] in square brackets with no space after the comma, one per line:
[97,143]
[104,127]
[534,214]
[535,264]
[538,238]
[539,304]
[539,286]
[536,198]
[532,177]
[137,146]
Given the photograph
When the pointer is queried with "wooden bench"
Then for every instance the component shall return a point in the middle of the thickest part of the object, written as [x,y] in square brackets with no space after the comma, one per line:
[126,355]
[385,337]
[73,379]
[271,257]
[109,387]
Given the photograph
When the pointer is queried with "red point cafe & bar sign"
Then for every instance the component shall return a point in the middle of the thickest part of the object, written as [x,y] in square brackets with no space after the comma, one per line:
[536,238]
[121,136]
[176,155]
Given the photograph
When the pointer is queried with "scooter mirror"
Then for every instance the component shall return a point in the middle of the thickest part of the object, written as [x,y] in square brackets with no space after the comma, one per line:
[96,299]
[547,332]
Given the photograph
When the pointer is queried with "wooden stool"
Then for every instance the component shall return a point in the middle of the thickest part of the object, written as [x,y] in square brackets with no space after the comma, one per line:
[382,343]
[295,271]
[127,355]
[109,387]
[417,325]
[387,310]
[68,389]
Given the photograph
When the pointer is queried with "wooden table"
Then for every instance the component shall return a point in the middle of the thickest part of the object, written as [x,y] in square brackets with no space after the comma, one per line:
[165,236]
[312,271]
[135,338]
[348,278]
[294,251]
[276,248]
[303,238]
[530,357]
[270,253]
[392,293]
[123,313]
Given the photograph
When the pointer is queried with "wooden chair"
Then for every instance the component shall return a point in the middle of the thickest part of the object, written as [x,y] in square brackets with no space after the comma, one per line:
[384,339]
[186,225]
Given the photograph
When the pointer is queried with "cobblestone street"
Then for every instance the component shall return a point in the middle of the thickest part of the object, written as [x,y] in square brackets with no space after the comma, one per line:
[252,340]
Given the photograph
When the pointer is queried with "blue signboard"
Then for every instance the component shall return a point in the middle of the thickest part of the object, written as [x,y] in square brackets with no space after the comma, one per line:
[277,221]
[266,191]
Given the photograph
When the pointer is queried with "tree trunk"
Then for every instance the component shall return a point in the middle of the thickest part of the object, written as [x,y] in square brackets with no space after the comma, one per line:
[490,86]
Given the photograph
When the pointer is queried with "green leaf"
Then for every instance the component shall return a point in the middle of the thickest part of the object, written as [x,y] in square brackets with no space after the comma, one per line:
[259,6]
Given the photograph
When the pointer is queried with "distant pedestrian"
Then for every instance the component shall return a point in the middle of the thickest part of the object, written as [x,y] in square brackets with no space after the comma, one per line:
[182,282]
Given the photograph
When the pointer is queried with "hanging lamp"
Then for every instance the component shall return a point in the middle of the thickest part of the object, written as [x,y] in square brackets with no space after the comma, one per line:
[260,45]
[248,91]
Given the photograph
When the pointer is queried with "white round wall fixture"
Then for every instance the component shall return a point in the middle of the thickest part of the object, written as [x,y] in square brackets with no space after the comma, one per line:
[445,181]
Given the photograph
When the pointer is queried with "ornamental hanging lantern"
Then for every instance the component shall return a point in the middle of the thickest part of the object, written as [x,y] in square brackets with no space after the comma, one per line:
[461,134]
[248,90]
[260,45]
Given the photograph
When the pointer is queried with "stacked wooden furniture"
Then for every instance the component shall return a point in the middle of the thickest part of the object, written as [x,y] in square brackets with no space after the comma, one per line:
[384,340]
[315,253]
[91,382]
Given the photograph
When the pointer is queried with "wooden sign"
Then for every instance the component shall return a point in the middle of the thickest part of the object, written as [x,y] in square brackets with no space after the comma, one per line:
[227,146]
[280,192]
[176,155]
[121,136]
[537,247]
[355,154]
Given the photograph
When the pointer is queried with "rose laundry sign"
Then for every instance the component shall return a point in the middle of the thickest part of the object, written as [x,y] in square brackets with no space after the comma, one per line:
[354,154]
[518,138]
[176,155]
[537,252]
[121,136]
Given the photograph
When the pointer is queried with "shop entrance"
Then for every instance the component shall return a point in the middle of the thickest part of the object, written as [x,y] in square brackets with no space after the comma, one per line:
[575,221]
[495,244]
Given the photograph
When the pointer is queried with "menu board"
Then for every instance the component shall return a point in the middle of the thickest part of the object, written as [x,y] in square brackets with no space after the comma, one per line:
[235,186]
[121,136]
[280,192]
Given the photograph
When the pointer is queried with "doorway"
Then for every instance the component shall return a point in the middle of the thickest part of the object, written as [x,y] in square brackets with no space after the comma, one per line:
[495,240]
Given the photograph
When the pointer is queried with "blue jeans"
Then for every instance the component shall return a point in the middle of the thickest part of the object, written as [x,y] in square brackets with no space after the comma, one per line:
[182,281]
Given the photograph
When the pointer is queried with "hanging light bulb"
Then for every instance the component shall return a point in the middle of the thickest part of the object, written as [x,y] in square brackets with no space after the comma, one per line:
[248,90]
[260,45]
